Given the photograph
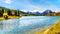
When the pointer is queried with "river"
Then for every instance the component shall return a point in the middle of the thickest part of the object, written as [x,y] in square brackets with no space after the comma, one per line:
[26,24]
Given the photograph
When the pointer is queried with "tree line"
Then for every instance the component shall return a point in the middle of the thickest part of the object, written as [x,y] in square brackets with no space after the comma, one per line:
[9,12]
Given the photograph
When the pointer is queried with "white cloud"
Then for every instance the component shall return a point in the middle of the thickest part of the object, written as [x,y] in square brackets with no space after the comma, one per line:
[8,1]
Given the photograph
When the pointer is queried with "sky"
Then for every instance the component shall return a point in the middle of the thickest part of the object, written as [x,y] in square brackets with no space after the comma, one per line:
[32,5]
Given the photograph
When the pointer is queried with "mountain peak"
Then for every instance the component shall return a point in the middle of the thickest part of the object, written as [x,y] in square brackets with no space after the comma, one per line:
[47,12]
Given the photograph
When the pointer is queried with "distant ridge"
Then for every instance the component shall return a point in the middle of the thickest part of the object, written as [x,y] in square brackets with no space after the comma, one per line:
[4,8]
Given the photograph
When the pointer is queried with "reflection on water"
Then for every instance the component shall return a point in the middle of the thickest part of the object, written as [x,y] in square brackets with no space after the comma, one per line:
[8,25]
[26,24]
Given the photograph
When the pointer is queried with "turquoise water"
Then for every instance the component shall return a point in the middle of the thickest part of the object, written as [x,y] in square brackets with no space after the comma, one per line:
[28,23]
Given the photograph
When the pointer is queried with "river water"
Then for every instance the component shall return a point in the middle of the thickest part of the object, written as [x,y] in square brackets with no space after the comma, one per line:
[26,24]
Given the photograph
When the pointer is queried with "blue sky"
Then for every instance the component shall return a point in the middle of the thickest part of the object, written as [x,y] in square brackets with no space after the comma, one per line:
[31,4]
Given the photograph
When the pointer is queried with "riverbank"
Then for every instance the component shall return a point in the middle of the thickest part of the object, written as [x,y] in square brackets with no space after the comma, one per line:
[10,17]
[55,29]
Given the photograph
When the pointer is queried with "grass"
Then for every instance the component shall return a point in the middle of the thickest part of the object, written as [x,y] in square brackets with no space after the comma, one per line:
[13,17]
[9,17]
[2,18]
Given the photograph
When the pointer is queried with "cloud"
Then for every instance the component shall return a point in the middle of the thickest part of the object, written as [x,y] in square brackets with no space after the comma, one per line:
[8,1]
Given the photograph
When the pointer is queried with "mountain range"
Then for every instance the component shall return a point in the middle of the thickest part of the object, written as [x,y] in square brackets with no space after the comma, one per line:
[38,13]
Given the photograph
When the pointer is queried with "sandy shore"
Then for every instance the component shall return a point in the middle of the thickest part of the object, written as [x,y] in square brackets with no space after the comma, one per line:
[55,29]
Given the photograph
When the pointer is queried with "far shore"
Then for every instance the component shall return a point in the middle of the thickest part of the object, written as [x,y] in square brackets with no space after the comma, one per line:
[10,17]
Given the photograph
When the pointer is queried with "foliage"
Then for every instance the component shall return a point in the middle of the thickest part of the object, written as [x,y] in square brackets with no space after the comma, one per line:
[9,11]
